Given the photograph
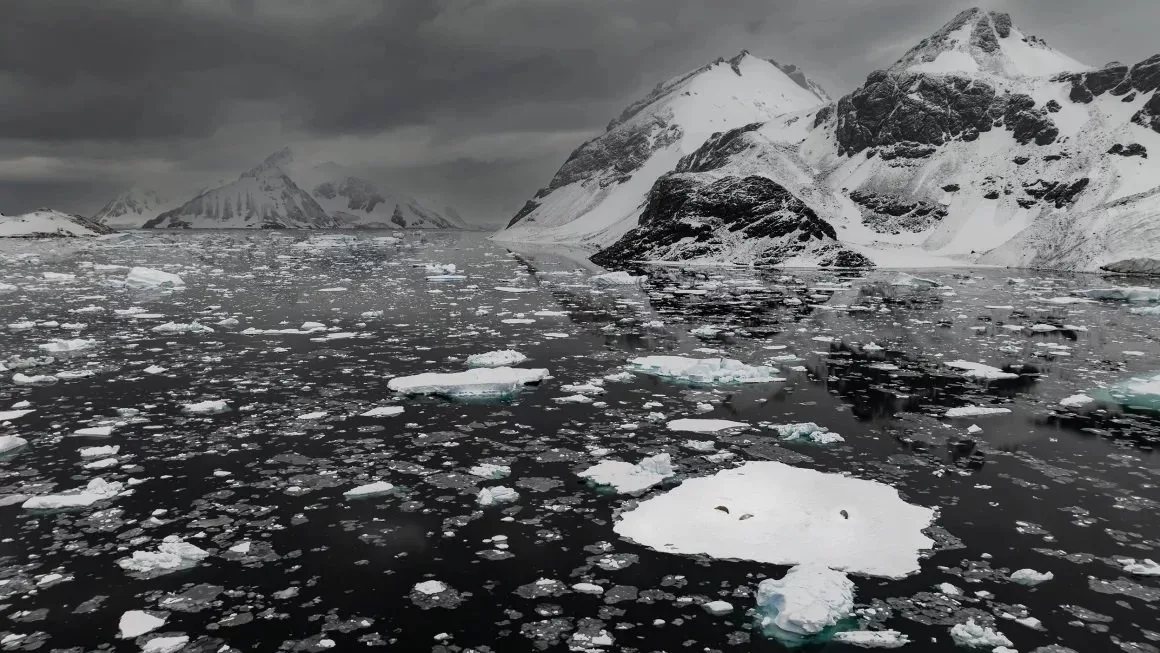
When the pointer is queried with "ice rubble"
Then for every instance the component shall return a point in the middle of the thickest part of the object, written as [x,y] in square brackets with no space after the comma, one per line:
[845,523]
[872,638]
[1030,577]
[627,478]
[1146,567]
[490,471]
[369,490]
[703,370]
[135,623]
[980,371]
[490,496]
[502,358]
[704,425]
[139,277]
[807,431]
[1122,293]
[480,382]
[97,489]
[972,635]
[177,328]
[171,555]
[67,346]
[11,443]
[806,601]
[976,411]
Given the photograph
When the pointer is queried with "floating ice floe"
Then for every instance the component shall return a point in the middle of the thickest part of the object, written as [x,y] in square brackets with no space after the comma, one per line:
[383,411]
[703,370]
[8,415]
[778,514]
[806,601]
[704,425]
[980,371]
[171,644]
[909,280]
[872,638]
[490,471]
[178,327]
[99,452]
[58,276]
[491,496]
[97,489]
[502,358]
[480,382]
[1030,577]
[1141,393]
[440,268]
[717,608]
[139,277]
[94,431]
[616,279]
[628,478]
[67,346]
[369,490]
[135,623]
[446,277]
[972,635]
[976,411]
[807,431]
[1122,293]
[513,289]
[171,555]
[430,587]
[1146,567]
[37,379]
[1145,310]
[208,407]
[11,443]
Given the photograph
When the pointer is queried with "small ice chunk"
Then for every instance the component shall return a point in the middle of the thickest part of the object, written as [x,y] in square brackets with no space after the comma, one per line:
[704,425]
[502,358]
[490,471]
[807,431]
[369,490]
[703,370]
[97,489]
[1031,577]
[153,369]
[627,478]
[718,607]
[481,382]
[135,623]
[491,496]
[171,644]
[58,346]
[178,328]
[140,277]
[383,411]
[1146,567]
[807,600]
[8,415]
[972,635]
[587,588]
[171,555]
[430,587]
[976,411]
[310,417]
[94,431]
[1075,401]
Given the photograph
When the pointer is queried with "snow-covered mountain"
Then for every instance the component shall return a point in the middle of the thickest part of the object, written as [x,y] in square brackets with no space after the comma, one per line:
[600,191]
[133,208]
[980,145]
[264,197]
[358,203]
[47,223]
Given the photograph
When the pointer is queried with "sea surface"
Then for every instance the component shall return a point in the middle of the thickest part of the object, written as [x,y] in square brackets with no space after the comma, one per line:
[1073,492]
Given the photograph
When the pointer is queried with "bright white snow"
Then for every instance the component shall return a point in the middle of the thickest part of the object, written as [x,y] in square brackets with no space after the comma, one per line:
[481,382]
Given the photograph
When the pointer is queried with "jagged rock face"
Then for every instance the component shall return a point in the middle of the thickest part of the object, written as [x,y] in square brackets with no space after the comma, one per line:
[132,208]
[746,220]
[1120,80]
[360,194]
[909,109]
[888,215]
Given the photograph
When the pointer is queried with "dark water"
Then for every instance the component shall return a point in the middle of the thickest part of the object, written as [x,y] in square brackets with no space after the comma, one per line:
[1069,493]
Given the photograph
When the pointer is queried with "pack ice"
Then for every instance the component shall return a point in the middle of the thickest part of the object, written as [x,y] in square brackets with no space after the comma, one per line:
[97,489]
[171,555]
[480,382]
[773,513]
[139,277]
[703,370]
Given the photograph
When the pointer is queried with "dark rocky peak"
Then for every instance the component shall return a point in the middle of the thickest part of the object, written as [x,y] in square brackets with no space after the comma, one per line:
[1120,80]
[276,163]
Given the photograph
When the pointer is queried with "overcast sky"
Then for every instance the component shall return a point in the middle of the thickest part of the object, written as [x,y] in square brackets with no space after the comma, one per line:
[472,102]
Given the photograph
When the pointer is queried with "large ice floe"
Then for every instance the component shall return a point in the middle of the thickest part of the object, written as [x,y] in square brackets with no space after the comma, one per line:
[704,425]
[980,371]
[480,382]
[96,490]
[807,431]
[627,478]
[149,278]
[11,443]
[706,371]
[774,513]
[806,601]
[502,358]
[171,555]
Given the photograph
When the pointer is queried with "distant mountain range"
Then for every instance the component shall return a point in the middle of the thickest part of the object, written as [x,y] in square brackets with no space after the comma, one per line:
[982,144]
[47,223]
[273,195]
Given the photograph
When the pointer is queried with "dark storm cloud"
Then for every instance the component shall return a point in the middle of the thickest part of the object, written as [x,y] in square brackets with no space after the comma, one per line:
[208,86]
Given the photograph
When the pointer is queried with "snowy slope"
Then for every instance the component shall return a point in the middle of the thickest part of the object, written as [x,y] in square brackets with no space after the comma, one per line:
[355,202]
[976,147]
[133,208]
[264,197]
[47,223]
[598,194]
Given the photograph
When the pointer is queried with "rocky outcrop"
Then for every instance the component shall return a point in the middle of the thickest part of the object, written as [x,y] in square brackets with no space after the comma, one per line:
[360,194]
[1120,80]
[747,220]
[889,215]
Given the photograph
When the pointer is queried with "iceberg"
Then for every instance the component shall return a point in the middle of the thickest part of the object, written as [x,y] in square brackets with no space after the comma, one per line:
[481,382]
[1030,577]
[704,425]
[1122,293]
[807,431]
[99,452]
[490,496]
[369,490]
[503,358]
[806,601]
[171,555]
[1075,401]
[97,489]
[139,277]
[209,407]
[706,371]
[1138,393]
[828,519]
[627,478]
[490,471]
[135,623]
[980,371]
[176,328]
[972,635]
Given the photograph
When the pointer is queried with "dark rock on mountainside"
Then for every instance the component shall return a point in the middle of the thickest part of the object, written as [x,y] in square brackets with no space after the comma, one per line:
[1131,149]
[890,215]
[1145,266]
[1118,80]
[360,194]
[690,216]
